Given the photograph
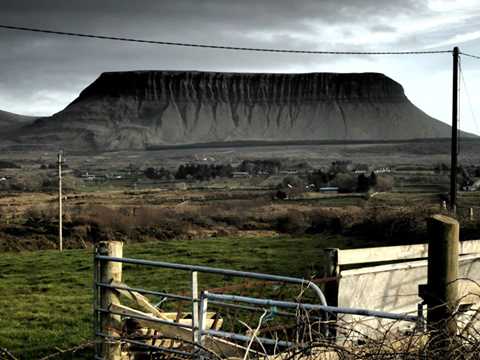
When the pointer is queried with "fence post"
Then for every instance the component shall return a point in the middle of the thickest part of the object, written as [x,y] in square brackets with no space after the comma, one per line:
[195,310]
[110,272]
[442,289]
[96,302]
[203,316]
[332,270]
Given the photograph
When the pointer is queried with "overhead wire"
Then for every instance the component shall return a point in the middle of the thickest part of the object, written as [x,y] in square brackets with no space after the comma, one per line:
[470,55]
[467,95]
[219,47]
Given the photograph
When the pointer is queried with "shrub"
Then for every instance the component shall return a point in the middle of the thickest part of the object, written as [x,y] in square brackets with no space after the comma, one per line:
[384,183]
[338,220]
[36,215]
[203,172]
[346,182]
[258,167]
[294,222]
[324,221]
[159,174]
[8,165]
[400,226]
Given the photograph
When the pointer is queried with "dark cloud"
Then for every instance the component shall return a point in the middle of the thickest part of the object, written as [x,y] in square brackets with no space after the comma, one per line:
[206,21]
[243,13]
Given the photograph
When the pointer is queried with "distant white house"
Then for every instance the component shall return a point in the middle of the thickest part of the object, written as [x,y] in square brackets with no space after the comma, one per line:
[288,172]
[329,189]
[382,170]
[240,174]
[88,177]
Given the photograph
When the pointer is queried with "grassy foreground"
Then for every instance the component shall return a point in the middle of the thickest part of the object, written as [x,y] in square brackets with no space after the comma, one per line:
[46,297]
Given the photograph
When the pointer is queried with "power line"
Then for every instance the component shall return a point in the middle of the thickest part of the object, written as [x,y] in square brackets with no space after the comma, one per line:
[469,99]
[471,55]
[221,47]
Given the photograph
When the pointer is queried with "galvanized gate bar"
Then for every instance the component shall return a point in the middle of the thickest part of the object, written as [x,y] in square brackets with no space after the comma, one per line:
[330,309]
[256,308]
[234,336]
[143,291]
[184,298]
[206,269]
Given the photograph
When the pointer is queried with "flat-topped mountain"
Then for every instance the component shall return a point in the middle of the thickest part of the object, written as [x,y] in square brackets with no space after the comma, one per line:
[138,109]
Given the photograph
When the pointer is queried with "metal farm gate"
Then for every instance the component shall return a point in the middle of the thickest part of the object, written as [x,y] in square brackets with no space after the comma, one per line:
[128,325]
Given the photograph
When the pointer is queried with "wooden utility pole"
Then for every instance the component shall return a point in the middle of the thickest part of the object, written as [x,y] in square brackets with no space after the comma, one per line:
[442,288]
[454,147]
[60,204]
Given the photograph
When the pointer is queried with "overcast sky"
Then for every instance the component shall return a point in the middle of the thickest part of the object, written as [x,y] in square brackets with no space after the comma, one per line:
[40,74]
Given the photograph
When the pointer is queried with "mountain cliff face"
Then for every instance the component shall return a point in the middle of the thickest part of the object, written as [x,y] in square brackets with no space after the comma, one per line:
[137,109]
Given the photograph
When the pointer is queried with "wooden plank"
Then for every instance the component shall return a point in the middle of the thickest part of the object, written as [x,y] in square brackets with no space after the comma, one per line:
[139,299]
[128,311]
[395,253]
[144,304]
[210,316]
[219,346]
[150,322]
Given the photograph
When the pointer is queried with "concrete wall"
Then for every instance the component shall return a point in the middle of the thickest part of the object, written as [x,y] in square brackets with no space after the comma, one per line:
[394,287]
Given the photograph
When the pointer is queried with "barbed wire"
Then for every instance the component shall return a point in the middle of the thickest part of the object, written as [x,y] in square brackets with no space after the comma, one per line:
[71,350]
[6,355]
[221,47]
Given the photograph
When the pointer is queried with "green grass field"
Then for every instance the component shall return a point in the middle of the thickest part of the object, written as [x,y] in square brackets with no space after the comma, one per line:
[46,300]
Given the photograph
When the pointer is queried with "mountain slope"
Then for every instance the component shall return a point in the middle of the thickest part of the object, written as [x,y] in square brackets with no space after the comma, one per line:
[137,109]
[10,121]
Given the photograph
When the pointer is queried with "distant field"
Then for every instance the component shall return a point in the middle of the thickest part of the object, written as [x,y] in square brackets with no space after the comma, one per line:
[414,153]
[46,297]
[29,221]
